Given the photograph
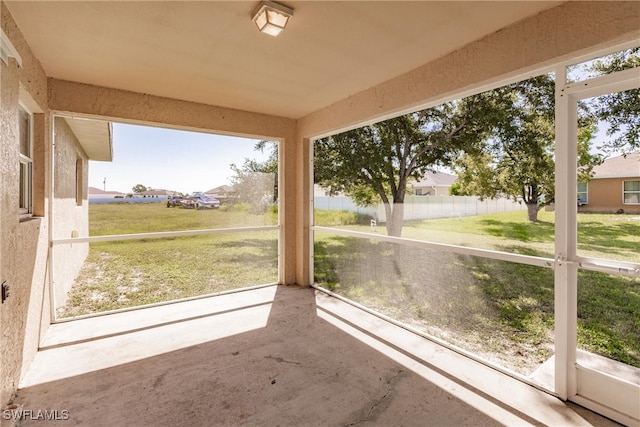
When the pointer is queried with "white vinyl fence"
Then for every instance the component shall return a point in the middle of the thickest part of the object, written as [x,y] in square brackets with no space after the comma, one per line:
[425,207]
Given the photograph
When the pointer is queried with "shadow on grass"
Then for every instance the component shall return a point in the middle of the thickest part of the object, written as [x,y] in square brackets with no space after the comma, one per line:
[609,315]
[478,304]
[525,232]
[608,238]
[501,310]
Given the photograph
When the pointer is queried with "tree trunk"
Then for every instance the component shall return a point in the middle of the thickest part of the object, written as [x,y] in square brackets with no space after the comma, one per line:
[395,218]
[532,211]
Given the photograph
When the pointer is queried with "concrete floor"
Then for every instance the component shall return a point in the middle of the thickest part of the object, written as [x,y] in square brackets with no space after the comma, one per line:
[274,356]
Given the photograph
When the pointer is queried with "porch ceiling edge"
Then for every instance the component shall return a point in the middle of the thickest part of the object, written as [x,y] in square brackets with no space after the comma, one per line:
[132,107]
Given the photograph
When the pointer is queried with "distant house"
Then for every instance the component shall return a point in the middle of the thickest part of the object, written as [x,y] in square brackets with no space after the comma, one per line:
[615,186]
[433,184]
[96,193]
[158,193]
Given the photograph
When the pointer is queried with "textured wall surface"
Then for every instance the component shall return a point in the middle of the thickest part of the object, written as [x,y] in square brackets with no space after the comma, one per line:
[68,216]
[38,314]
[23,248]
[32,76]
[23,244]
[12,312]
[140,108]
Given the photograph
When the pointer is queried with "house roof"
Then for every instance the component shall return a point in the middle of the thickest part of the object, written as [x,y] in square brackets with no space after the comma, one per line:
[210,52]
[97,191]
[619,167]
[436,179]
[95,137]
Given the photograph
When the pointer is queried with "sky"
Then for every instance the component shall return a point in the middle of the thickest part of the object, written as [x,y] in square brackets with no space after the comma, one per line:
[170,159]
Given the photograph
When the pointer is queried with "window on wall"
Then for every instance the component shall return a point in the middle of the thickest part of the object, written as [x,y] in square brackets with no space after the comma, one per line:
[26,161]
[583,197]
[79,182]
[631,192]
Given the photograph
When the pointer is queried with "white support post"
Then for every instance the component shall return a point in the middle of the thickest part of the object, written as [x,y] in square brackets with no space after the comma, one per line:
[566,239]
[51,222]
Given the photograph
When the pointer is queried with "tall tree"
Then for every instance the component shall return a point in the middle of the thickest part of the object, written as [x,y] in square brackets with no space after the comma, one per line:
[375,163]
[518,158]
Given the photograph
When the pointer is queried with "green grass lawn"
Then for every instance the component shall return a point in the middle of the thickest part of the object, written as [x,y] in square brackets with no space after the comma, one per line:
[599,235]
[129,273]
[500,310]
[132,218]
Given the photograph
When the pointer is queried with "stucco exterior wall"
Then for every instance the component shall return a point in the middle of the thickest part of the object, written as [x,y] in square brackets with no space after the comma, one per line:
[131,107]
[38,309]
[23,244]
[12,312]
[33,80]
[605,195]
[23,248]
[70,219]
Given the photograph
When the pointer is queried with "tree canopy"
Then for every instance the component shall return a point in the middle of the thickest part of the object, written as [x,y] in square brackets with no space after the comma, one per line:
[517,160]
[139,188]
[619,110]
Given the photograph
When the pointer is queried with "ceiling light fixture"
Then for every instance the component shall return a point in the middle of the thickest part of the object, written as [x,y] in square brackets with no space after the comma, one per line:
[272,17]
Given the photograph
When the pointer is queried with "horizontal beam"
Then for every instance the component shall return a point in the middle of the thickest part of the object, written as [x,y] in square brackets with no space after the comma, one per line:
[609,266]
[72,98]
[602,85]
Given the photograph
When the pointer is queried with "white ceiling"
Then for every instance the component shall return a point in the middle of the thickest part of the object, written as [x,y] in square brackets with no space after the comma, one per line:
[211,52]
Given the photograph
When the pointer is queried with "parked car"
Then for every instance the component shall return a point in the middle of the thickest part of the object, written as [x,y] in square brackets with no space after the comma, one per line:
[178,201]
[187,203]
[174,201]
[202,201]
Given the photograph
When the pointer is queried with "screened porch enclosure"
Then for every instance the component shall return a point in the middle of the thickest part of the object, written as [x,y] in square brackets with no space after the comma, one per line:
[551,302]
[275,309]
